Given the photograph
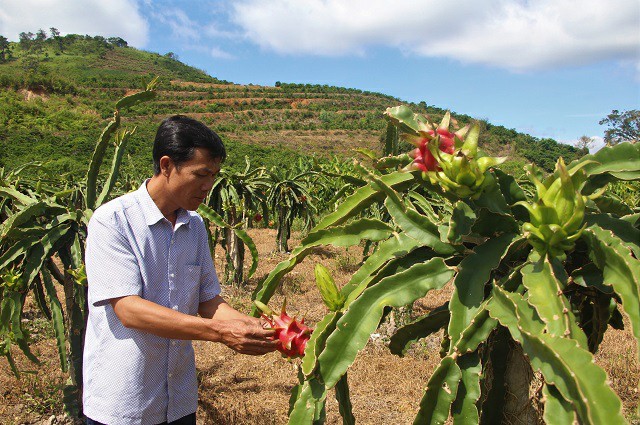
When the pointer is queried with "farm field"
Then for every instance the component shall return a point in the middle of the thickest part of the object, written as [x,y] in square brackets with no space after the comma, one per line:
[237,389]
[528,249]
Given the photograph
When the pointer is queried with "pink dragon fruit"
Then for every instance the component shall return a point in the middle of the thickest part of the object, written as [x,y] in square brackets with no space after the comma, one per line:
[292,335]
[423,159]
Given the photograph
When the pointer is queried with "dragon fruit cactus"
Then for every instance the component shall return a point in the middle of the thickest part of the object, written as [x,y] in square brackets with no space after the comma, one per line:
[450,160]
[291,333]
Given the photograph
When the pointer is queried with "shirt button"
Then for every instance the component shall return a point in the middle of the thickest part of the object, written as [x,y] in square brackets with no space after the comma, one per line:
[173,241]
[174,342]
[172,275]
[175,307]
[170,375]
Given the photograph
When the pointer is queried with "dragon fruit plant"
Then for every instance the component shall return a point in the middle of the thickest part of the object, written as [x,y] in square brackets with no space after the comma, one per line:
[447,159]
[46,223]
[538,277]
[292,335]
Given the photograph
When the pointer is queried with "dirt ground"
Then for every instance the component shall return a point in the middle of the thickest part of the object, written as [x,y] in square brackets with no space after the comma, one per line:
[237,389]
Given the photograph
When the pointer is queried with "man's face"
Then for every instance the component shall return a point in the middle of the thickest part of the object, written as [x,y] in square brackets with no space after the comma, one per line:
[191,182]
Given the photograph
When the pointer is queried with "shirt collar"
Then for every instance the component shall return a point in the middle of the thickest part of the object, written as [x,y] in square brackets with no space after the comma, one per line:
[151,211]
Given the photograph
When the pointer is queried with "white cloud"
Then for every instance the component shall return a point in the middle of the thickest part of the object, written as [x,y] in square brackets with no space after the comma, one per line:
[218,53]
[113,18]
[207,49]
[518,35]
[212,30]
[192,34]
[182,27]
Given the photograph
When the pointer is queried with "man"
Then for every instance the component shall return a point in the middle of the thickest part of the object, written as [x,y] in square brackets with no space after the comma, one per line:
[150,274]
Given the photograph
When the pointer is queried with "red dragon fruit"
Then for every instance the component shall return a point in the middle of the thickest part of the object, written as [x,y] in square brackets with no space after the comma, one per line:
[423,159]
[291,334]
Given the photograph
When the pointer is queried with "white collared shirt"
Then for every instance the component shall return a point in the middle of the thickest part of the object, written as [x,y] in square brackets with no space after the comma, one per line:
[130,376]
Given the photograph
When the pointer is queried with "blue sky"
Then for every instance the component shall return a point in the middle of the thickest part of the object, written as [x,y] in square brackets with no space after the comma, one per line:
[550,68]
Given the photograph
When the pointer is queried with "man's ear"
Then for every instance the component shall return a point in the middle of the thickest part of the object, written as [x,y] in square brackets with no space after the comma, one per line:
[166,165]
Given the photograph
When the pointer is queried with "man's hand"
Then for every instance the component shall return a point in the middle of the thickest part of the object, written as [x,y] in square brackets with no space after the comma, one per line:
[246,335]
[242,333]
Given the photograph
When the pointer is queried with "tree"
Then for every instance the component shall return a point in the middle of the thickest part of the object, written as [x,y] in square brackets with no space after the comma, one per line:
[117,41]
[41,35]
[584,143]
[26,40]
[625,126]
[5,49]
[38,43]
[55,34]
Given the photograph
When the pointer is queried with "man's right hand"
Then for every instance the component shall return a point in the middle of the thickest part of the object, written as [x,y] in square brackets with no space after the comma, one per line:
[246,335]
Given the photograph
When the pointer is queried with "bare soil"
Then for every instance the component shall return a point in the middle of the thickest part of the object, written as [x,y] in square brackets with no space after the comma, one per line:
[238,389]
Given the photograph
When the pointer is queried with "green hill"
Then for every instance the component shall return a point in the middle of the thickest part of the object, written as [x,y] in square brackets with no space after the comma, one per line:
[57,92]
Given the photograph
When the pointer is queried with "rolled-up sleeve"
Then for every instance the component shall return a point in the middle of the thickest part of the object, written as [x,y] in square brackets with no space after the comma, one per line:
[112,267]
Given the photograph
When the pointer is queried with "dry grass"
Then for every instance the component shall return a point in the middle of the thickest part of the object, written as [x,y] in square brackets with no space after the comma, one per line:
[237,389]
[618,356]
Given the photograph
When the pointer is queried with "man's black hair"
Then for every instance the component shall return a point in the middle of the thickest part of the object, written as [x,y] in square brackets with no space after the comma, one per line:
[178,137]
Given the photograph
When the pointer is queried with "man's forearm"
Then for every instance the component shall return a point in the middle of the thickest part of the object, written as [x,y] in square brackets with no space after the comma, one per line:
[226,325]
[137,313]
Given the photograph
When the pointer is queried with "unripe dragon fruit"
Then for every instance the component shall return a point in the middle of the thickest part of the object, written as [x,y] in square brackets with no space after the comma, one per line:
[556,218]
[291,334]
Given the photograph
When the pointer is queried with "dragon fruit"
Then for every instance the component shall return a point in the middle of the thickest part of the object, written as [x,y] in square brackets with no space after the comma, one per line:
[447,159]
[423,159]
[291,334]
[556,219]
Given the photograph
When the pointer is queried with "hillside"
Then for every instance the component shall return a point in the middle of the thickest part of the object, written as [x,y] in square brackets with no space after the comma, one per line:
[57,93]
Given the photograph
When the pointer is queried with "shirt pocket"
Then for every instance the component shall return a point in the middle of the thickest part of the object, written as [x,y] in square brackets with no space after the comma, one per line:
[193,272]
[190,288]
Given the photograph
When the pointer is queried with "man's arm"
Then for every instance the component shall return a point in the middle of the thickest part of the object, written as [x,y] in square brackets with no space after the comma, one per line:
[219,323]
